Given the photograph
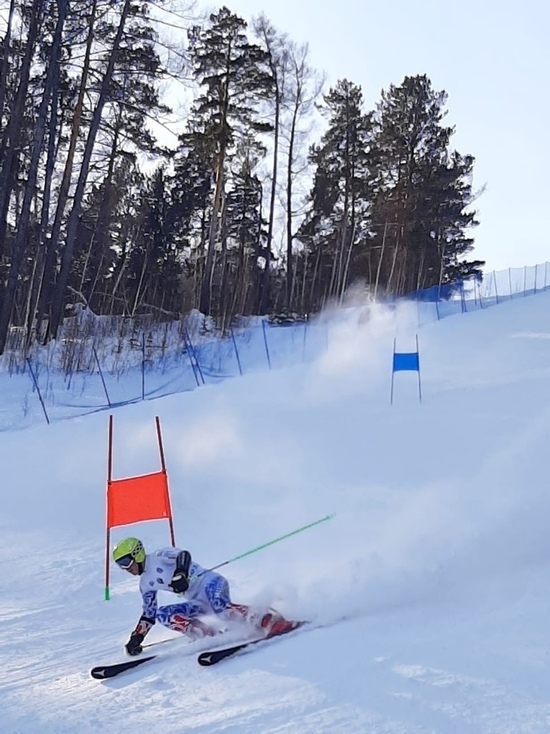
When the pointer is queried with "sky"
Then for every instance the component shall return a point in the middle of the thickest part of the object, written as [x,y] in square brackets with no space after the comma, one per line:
[427,592]
[492,59]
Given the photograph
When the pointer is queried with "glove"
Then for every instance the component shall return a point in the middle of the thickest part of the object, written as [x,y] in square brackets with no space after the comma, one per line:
[179,583]
[133,646]
[180,579]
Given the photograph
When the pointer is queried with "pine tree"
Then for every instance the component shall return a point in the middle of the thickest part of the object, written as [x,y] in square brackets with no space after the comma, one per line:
[304,88]
[152,276]
[191,207]
[422,191]
[278,59]
[243,233]
[337,220]
[234,76]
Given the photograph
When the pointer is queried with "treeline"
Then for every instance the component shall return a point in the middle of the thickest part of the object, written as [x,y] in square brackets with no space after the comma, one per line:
[243,216]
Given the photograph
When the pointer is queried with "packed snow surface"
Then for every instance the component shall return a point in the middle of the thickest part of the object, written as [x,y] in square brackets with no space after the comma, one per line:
[428,591]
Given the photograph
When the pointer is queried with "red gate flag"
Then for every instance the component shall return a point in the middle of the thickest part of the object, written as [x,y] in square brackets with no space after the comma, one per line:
[136,499]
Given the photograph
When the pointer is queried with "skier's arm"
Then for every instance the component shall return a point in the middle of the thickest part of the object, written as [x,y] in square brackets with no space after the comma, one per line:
[145,622]
[149,599]
[169,554]
[133,646]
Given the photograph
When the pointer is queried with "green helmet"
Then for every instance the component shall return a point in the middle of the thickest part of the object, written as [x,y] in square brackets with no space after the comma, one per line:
[127,551]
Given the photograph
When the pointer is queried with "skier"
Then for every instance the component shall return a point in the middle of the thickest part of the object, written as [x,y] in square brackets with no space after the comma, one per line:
[204,592]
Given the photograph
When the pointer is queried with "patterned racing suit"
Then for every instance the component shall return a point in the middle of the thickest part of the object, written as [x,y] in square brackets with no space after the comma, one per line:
[208,591]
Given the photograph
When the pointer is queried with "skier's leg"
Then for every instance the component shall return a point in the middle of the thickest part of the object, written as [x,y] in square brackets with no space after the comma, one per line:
[251,616]
[270,622]
[183,618]
[217,593]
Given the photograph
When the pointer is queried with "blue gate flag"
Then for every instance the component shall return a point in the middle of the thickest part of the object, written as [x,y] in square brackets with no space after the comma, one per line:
[406,362]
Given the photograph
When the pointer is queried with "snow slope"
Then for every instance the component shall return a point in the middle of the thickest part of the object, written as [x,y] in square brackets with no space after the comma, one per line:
[438,555]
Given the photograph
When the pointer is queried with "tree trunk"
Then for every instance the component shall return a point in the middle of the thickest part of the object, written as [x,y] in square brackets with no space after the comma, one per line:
[265,280]
[5,59]
[67,254]
[206,286]
[102,224]
[20,242]
[38,269]
[10,143]
[289,183]
[53,241]
[380,259]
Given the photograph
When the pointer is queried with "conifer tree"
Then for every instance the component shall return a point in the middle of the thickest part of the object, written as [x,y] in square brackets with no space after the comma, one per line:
[244,234]
[234,78]
[337,220]
[305,86]
[422,191]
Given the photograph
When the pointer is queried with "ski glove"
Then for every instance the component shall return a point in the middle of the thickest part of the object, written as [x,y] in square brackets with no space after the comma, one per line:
[180,580]
[133,646]
[179,583]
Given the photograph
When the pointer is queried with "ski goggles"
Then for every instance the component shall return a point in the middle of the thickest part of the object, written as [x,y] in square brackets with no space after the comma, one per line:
[125,562]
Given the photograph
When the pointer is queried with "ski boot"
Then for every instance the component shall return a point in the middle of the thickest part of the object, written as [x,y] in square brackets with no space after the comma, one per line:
[275,624]
[194,629]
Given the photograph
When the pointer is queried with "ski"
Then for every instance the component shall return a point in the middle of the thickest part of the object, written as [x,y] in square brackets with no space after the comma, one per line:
[211,657]
[101,672]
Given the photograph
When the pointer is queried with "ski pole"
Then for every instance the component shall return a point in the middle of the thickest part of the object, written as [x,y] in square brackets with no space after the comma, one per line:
[161,642]
[271,542]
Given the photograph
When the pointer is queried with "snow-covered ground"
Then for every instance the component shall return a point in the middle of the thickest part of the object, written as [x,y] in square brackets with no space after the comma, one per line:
[438,557]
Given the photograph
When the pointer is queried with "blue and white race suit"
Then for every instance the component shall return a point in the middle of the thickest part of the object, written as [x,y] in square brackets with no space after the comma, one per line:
[208,591]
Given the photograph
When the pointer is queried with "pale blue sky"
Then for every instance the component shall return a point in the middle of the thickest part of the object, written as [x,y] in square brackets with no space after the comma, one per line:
[491,57]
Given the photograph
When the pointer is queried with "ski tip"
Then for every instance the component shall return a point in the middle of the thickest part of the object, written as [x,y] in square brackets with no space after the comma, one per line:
[104,672]
[100,673]
[207,658]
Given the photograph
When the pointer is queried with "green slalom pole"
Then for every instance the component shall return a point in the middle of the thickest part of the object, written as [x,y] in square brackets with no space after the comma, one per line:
[272,542]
